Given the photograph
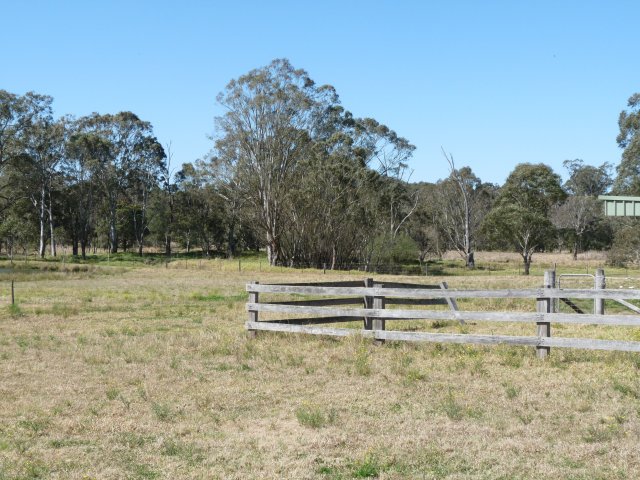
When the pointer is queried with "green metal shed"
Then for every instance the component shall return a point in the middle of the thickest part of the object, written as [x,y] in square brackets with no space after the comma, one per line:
[618,206]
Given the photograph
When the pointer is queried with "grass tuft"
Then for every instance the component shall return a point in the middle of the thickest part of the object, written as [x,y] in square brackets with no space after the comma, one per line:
[164,412]
[15,310]
[368,468]
[314,416]
[362,360]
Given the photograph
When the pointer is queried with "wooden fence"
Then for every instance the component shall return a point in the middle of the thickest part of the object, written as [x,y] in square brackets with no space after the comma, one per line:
[367,301]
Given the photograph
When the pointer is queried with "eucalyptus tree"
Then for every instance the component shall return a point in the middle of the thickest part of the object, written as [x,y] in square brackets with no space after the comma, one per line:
[226,184]
[145,177]
[462,203]
[389,203]
[162,206]
[580,213]
[520,218]
[127,161]
[39,175]
[32,147]
[347,192]
[18,114]
[577,215]
[291,154]
[325,209]
[86,150]
[628,178]
[587,180]
[423,224]
[270,115]
[201,214]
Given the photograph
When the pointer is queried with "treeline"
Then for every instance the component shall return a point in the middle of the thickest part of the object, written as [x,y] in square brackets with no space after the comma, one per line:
[292,172]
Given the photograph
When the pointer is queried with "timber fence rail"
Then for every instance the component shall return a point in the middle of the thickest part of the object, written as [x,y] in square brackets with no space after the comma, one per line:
[366,301]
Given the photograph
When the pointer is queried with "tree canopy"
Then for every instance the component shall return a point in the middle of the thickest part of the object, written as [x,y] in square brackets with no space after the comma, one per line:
[293,172]
[520,218]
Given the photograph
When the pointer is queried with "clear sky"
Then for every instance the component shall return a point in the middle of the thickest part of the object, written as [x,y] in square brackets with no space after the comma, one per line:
[494,83]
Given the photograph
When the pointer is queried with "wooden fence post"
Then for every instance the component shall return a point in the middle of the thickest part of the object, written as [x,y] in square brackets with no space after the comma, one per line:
[13,296]
[368,303]
[253,314]
[452,302]
[598,303]
[545,305]
[378,323]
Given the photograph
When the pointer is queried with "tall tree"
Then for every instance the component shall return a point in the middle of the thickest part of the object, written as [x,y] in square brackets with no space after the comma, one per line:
[163,205]
[201,208]
[278,124]
[521,215]
[577,214]
[129,159]
[628,179]
[17,117]
[264,134]
[38,167]
[587,180]
[86,151]
[581,211]
[462,204]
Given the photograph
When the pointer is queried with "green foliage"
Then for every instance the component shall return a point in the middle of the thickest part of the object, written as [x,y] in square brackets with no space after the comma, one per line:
[15,310]
[368,468]
[316,183]
[607,430]
[186,451]
[587,180]
[511,391]
[521,217]
[163,412]
[453,409]
[628,179]
[626,390]
[625,250]
[112,393]
[362,360]
[314,416]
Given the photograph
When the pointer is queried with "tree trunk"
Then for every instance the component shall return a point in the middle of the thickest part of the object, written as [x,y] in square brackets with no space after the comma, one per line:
[527,264]
[52,238]
[113,238]
[272,249]
[575,250]
[113,232]
[231,241]
[167,245]
[471,263]
[42,219]
[334,255]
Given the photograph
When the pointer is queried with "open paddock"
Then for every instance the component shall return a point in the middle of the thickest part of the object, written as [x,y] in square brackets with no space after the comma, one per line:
[142,372]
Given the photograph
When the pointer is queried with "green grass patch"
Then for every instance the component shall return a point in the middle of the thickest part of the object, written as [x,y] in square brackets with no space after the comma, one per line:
[314,416]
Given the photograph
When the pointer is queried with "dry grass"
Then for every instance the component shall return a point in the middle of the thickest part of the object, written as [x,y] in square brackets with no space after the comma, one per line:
[147,373]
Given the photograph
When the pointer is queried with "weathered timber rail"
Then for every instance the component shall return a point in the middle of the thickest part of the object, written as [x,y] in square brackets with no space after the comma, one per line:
[371,298]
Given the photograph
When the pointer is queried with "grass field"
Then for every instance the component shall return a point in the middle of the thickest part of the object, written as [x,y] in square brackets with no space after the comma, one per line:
[121,370]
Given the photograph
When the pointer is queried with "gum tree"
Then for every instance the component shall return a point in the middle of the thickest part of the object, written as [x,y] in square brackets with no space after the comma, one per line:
[520,218]
[126,160]
[628,179]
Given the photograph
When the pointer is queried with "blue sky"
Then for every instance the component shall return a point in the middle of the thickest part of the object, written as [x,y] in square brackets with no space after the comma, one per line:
[494,83]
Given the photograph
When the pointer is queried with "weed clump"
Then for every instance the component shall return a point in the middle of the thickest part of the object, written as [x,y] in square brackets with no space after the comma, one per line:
[14,310]
[314,416]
